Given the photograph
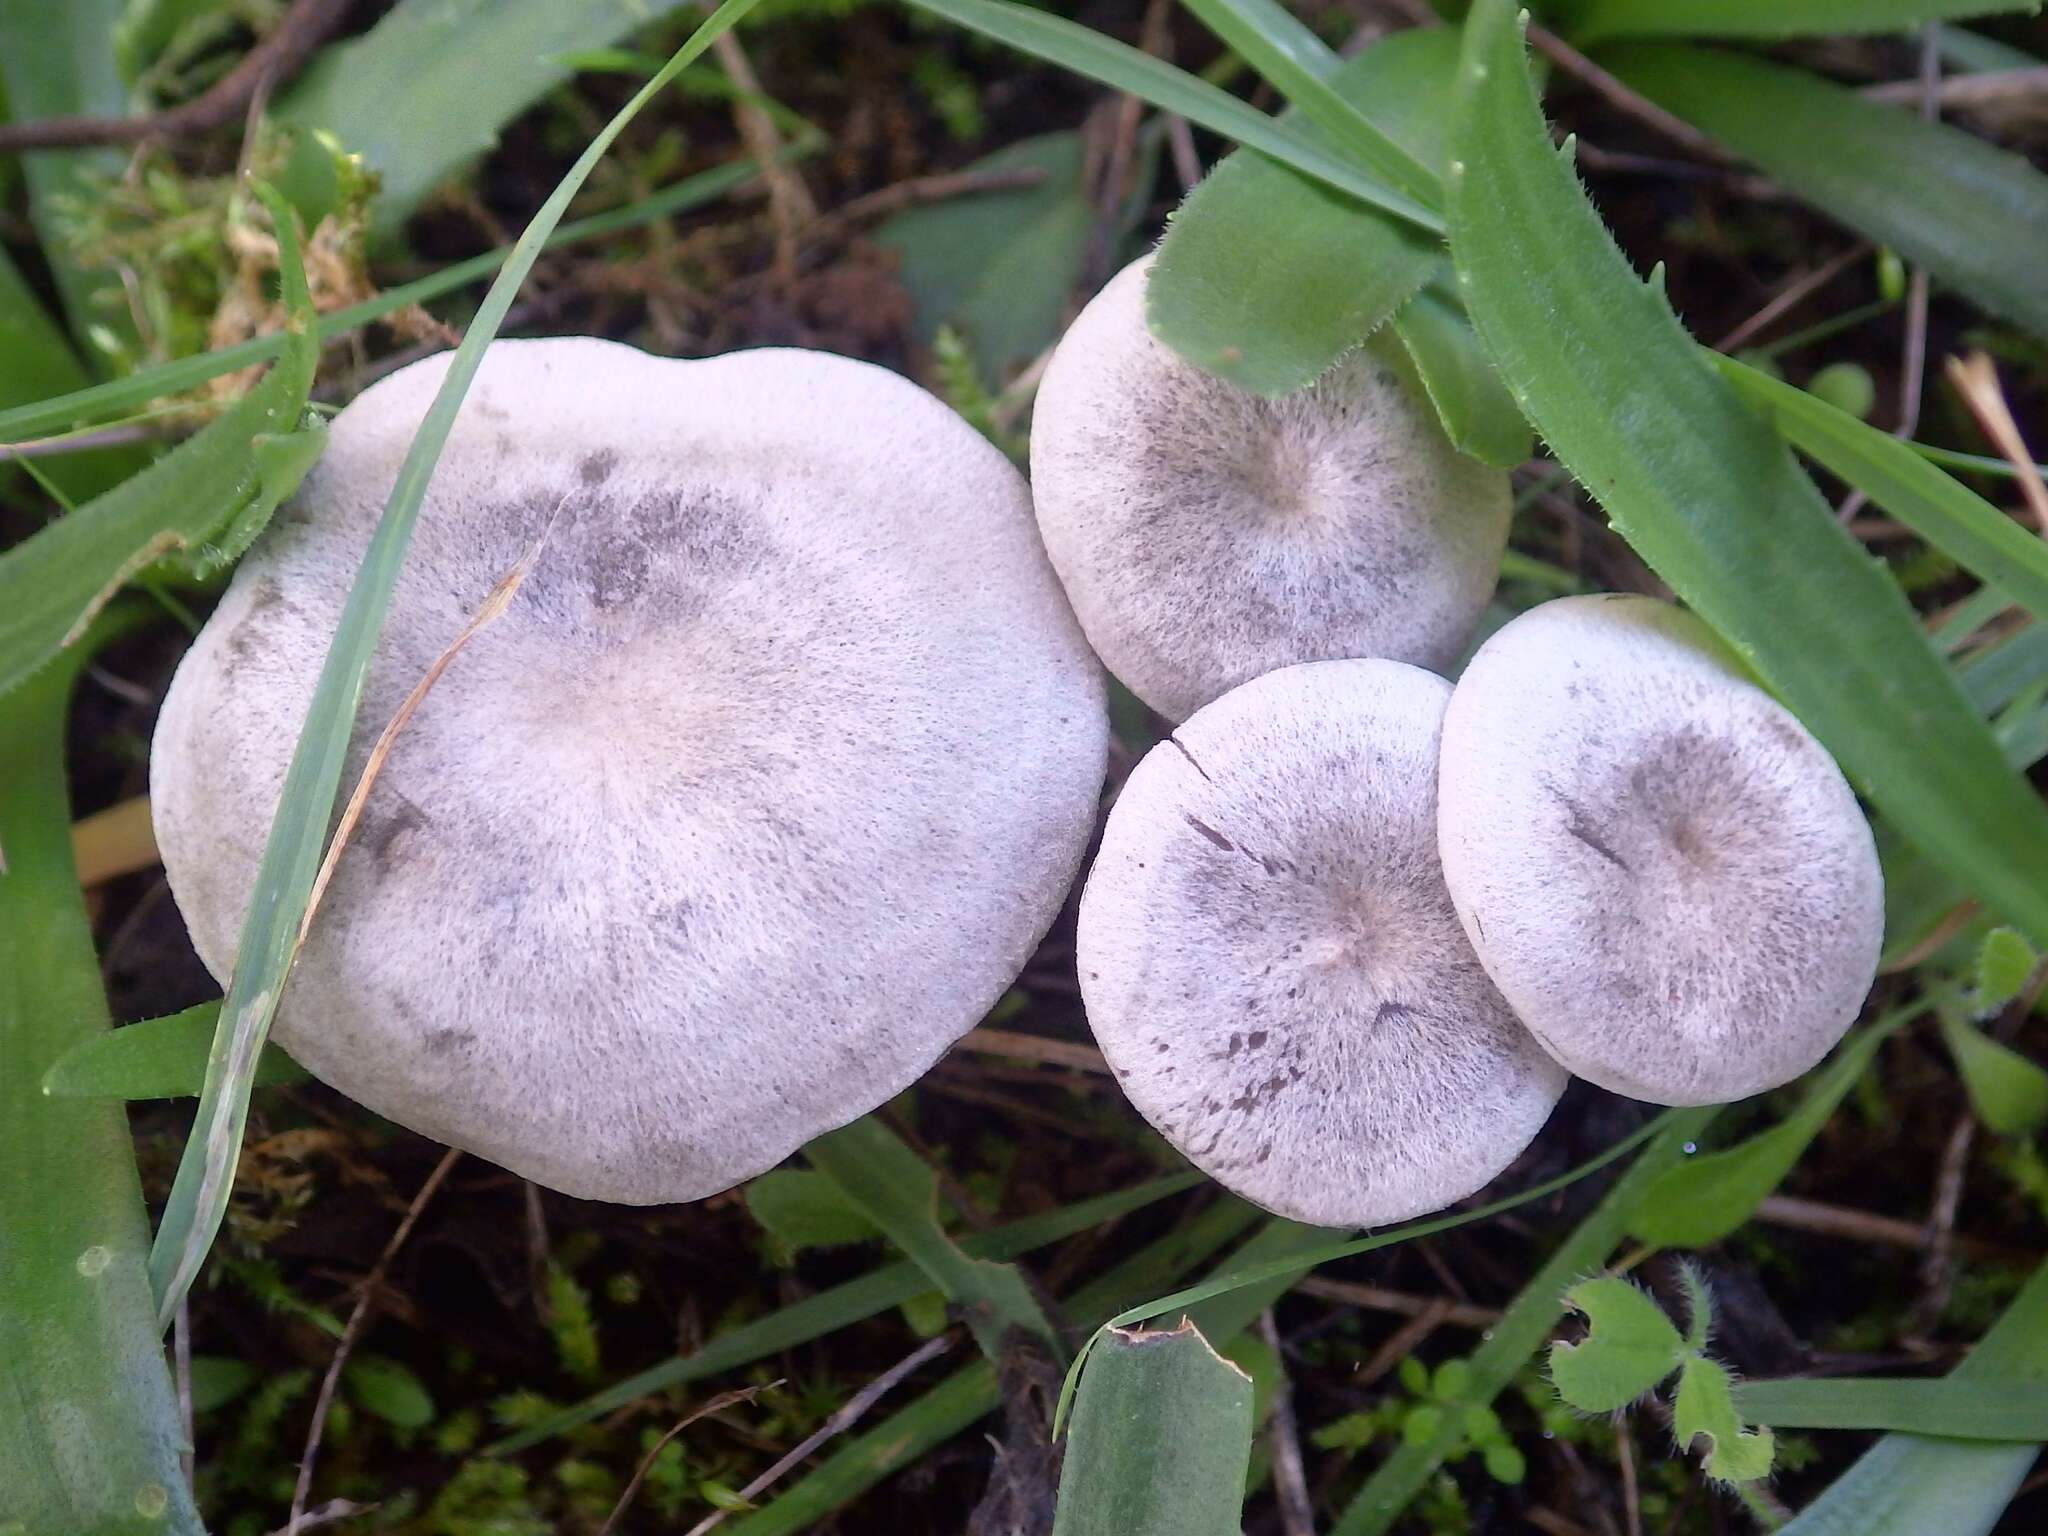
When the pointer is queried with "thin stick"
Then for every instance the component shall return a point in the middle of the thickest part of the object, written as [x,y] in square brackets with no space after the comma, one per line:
[1966,90]
[1402,1341]
[717,1404]
[304,28]
[1625,1457]
[1618,95]
[1290,1479]
[1793,294]
[841,1421]
[789,200]
[1372,1298]
[1022,1047]
[1976,380]
[1867,1227]
[353,1330]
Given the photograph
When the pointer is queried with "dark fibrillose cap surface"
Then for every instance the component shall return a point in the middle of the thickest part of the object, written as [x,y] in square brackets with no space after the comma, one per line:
[1272,966]
[760,793]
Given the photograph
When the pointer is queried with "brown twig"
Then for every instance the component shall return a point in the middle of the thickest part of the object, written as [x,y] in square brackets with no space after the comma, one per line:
[1034,1048]
[303,28]
[1374,1299]
[1290,1478]
[1952,924]
[915,193]
[789,201]
[1966,90]
[1868,1227]
[358,1319]
[1619,96]
[1402,1341]
[839,1423]
[1625,1458]
[1793,294]
[717,1404]
[1937,1265]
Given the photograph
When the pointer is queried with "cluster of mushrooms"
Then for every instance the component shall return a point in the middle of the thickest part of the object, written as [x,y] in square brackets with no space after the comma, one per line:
[788,750]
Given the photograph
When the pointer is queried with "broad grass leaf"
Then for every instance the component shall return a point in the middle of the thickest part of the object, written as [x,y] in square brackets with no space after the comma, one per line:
[1590,20]
[1986,1408]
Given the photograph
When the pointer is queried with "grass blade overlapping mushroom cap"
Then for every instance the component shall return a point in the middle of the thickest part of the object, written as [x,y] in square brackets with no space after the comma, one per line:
[1207,535]
[1272,966]
[1662,870]
[763,789]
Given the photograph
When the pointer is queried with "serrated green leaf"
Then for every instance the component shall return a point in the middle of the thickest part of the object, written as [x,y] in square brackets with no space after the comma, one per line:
[1598,19]
[155,1059]
[2008,1092]
[196,507]
[1935,505]
[891,1185]
[1704,1409]
[1703,1200]
[1337,271]
[1631,1346]
[1976,216]
[1478,414]
[806,1210]
[388,1389]
[1709,495]
[2004,962]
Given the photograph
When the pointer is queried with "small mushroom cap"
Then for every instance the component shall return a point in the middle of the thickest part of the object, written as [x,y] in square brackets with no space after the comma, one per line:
[1663,871]
[1272,967]
[757,797]
[1207,535]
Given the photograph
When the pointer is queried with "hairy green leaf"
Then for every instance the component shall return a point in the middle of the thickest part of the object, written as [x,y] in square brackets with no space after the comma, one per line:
[803,1210]
[1161,1439]
[1975,216]
[1629,1348]
[155,1059]
[1478,414]
[1704,1409]
[1330,270]
[891,1185]
[1708,494]
[2005,961]
[2008,1092]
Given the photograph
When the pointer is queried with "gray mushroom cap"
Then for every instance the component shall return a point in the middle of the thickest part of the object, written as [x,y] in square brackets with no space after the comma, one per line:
[1207,535]
[1664,873]
[761,792]
[1272,967]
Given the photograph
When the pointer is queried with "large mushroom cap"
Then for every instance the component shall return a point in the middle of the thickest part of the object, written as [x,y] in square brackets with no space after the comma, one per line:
[1664,873]
[1206,535]
[761,792]
[1272,967]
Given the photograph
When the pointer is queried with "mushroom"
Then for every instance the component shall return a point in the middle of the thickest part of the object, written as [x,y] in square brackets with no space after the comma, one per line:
[1271,964]
[758,796]
[1207,535]
[1664,873]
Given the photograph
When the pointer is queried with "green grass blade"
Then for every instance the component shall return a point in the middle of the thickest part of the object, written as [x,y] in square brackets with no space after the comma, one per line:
[1975,216]
[1161,1440]
[413,97]
[149,384]
[40,363]
[298,834]
[1772,18]
[1479,416]
[1708,494]
[1297,64]
[89,1428]
[972,1393]
[1704,1199]
[1909,1485]
[894,1188]
[1124,68]
[1944,512]
[1985,1409]
[1514,1340]
[155,1059]
[1236,1280]
[199,504]
[843,1305]
[1275,325]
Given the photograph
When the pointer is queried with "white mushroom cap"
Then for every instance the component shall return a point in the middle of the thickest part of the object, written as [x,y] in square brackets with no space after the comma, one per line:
[762,791]
[1207,535]
[1661,869]
[1272,967]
